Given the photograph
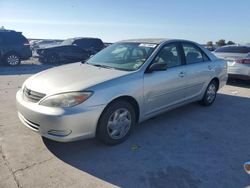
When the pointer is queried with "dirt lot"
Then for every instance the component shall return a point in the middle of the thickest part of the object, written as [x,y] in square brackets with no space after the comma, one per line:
[192,146]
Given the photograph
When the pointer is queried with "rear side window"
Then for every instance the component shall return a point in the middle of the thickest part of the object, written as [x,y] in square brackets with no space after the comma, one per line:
[13,38]
[169,54]
[234,49]
[193,54]
[89,43]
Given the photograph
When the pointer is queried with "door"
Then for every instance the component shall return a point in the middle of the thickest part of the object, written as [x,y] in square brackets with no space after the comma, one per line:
[74,53]
[199,70]
[163,89]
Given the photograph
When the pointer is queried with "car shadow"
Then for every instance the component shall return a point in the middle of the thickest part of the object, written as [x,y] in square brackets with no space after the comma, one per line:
[191,146]
[238,82]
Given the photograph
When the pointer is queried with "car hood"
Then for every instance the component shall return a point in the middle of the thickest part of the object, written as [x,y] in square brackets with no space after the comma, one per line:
[51,47]
[73,77]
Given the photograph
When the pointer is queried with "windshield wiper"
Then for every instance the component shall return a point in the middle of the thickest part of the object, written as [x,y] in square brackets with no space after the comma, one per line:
[108,67]
[102,66]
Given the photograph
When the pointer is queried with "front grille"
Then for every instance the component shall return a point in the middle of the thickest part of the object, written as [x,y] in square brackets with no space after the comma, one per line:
[32,96]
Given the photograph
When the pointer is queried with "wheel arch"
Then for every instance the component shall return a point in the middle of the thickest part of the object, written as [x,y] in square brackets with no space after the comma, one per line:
[128,99]
[11,52]
[217,82]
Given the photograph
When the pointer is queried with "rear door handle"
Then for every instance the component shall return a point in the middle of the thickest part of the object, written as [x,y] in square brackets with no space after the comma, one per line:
[209,67]
[181,74]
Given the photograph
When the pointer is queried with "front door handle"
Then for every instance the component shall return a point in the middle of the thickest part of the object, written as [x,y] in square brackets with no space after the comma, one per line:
[181,74]
[209,67]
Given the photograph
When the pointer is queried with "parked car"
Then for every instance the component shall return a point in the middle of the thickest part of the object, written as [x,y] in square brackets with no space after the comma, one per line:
[71,50]
[122,85]
[238,58]
[14,47]
[43,44]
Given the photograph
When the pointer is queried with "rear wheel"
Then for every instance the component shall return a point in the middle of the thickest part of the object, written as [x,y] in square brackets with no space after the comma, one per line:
[12,59]
[210,94]
[116,123]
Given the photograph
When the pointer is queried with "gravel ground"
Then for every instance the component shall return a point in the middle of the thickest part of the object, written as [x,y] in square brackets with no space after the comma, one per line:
[192,146]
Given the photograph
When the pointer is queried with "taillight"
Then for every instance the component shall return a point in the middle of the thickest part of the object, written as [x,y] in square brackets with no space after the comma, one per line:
[243,61]
[26,43]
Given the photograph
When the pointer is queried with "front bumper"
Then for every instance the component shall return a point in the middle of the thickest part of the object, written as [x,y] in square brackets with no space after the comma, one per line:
[59,124]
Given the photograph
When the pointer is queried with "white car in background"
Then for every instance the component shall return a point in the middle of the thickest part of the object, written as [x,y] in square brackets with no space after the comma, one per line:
[238,59]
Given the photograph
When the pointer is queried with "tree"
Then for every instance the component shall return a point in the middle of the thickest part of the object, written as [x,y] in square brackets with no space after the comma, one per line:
[230,43]
[221,42]
[209,44]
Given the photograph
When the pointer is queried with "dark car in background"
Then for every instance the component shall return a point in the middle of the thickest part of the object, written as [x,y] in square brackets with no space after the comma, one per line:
[70,50]
[14,47]
[238,60]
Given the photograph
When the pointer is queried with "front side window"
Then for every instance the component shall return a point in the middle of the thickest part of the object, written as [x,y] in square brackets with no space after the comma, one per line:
[192,54]
[170,55]
[123,56]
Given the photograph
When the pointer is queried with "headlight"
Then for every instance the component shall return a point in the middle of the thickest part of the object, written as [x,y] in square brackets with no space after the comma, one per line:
[66,99]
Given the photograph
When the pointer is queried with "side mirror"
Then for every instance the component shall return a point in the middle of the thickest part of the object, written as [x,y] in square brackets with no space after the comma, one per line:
[157,67]
[247,167]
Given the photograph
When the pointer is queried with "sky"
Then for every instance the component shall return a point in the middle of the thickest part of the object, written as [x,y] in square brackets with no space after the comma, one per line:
[114,20]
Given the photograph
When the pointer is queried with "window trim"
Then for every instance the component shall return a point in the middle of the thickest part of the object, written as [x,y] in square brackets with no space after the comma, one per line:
[178,47]
[196,47]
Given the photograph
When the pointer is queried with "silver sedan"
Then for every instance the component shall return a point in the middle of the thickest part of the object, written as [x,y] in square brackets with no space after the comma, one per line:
[121,86]
[238,58]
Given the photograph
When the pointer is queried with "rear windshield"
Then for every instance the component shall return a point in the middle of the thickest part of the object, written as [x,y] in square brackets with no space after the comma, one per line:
[234,49]
[13,38]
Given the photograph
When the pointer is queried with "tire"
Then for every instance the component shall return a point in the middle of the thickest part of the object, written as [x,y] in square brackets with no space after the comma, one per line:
[12,59]
[52,59]
[210,94]
[116,123]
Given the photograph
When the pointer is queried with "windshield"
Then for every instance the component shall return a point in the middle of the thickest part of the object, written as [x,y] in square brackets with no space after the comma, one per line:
[123,56]
[67,42]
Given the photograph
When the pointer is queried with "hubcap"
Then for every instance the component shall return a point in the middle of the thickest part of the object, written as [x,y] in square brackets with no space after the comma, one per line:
[12,60]
[119,123]
[211,92]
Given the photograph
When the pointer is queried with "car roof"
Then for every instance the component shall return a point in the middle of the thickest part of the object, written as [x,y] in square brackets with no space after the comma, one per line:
[9,31]
[155,40]
[77,38]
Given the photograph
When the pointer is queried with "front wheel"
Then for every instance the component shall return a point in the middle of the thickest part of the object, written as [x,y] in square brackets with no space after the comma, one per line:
[116,123]
[210,94]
